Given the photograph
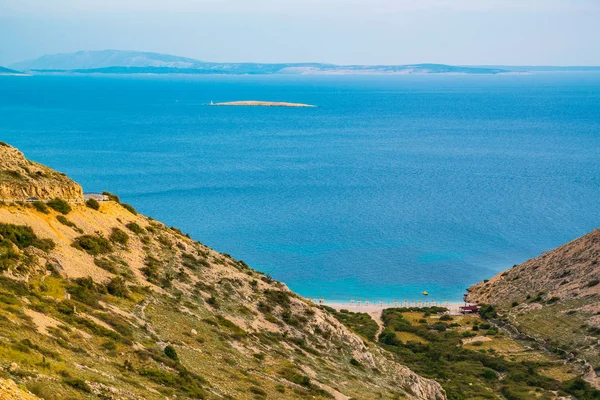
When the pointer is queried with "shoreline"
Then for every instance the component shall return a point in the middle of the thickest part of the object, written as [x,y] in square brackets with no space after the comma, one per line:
[255,103]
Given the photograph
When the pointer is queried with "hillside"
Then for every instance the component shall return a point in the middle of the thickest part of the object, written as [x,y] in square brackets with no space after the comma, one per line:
[101,302]
[554,299]
[133,62]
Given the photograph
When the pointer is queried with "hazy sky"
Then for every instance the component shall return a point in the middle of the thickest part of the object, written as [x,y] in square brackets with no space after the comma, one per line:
[516,32]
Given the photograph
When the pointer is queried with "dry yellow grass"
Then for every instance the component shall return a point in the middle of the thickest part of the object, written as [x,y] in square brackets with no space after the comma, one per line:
[406,337]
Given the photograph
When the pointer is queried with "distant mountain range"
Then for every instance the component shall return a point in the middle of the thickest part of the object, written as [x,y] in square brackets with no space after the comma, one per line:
[135,62]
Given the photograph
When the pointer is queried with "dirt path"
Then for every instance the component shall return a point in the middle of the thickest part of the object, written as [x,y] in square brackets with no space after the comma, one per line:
[376,315]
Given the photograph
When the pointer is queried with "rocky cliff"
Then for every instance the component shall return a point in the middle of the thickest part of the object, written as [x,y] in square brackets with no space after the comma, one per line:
[21,179]
[106,303]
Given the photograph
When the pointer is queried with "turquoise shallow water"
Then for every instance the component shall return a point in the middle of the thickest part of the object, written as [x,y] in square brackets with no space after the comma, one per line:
[392,186]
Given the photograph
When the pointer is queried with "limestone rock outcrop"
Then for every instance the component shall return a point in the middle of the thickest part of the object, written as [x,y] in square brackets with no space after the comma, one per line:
[21,179]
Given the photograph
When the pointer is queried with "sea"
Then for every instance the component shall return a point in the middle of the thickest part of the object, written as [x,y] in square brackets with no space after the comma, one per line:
[391,186]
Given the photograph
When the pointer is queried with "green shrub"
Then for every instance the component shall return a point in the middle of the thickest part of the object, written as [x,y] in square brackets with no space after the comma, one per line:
[117,287]
[40,206]
[129,208]
[487,311]
[361,323]
[85,291]
[92,244]
[135,228]
[171,353]
[93,204]
[23,236]
[8,256]
[118,236]
[78,384]
[212,300]
[489,374]
[593,283]
[66,307]
[292,375]
[258,391]
[107,265]
[151,270]
[59,205]
[112,197]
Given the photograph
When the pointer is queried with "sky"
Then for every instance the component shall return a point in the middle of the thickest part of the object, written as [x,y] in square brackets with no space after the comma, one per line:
[459,32]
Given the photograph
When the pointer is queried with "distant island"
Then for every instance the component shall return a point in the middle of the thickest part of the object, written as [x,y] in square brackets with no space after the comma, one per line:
[7,71]
[254,103]
[136,62]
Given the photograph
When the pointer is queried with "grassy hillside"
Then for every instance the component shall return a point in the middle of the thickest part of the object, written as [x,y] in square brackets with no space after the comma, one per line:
[554,300]
[100,302]
[471,357]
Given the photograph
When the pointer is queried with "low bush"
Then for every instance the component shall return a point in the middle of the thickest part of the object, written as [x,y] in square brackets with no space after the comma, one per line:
[59,205]
[361,323]
[151,270]
[258,391]
[8,256]
[85,291]
[93,204]
[23,236]
[593,283]
[135,228]
[118,236]
[78,384]
[63,220]
[112,197]
[106,264]
[92,244]
[40,206]
[294,376]
[117,287]
[171,353]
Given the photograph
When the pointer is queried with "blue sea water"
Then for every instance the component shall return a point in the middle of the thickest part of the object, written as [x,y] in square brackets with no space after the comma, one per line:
[392,186]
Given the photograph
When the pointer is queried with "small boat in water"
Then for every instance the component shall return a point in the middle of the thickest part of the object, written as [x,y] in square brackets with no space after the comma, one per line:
[425,293]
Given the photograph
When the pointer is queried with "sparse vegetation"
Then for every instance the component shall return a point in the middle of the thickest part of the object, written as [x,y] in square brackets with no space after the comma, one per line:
[360,323]
[117,287]
[93,244]
[59,205]
[171,353]
[40,206]
[468,371]
[119,236]
[135,228]
[129,208]
[93,204]
[22,237]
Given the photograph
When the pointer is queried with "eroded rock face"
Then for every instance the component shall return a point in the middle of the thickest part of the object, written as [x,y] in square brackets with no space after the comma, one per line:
[10,391]
[21,179]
